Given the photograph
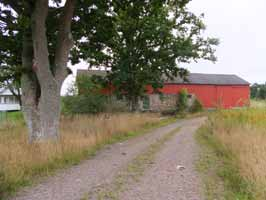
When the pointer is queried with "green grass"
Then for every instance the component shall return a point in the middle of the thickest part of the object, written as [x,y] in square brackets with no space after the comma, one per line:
[219,171]
[15,115]
[11,116]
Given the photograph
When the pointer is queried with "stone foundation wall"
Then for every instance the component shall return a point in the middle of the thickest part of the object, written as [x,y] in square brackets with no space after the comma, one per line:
[162,102]
[159,102]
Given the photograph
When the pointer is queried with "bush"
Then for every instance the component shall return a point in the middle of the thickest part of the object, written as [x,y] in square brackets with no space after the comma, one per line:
[182,101]
[116,106]
[196,106]
[84,97]
[170,112]
[83,104]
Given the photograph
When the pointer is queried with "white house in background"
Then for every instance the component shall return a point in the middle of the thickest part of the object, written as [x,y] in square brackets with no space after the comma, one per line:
[8,101]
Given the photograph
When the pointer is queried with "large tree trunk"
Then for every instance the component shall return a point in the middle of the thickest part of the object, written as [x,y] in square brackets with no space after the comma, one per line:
[40,85]
[40,104]
[42,113]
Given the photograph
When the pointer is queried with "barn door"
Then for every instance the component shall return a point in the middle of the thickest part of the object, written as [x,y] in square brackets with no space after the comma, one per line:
[146,103]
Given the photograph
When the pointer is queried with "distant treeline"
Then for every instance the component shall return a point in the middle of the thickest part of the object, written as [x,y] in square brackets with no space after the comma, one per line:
[258,91]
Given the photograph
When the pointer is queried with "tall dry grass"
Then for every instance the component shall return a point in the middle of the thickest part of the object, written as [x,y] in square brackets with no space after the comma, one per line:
[243,133]
[258,103]
[80,135]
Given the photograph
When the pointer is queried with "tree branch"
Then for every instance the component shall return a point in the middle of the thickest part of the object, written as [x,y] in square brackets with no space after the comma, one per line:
[5,20]
[13,4]
[64,41]
[41,65]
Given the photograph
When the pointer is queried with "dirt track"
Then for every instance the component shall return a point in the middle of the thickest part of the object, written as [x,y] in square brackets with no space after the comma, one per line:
[162,181]
[172,175]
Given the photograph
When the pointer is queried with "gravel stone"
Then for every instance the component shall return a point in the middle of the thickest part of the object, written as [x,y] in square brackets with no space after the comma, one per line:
[163,181]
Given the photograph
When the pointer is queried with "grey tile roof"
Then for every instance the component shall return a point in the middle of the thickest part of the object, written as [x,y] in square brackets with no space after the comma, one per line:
[193,78]
[210,79]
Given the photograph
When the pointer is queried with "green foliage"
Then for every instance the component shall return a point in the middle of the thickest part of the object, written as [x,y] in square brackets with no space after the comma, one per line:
[91,21]
[87,85]
[182,101]
[170,112]
[258,91]
[137,40]
[85,97]
[196,106]
[147,43]
[83,104]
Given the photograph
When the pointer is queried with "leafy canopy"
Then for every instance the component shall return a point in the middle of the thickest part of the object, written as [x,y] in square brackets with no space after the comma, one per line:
[146,42]
[90,18]
[140,41]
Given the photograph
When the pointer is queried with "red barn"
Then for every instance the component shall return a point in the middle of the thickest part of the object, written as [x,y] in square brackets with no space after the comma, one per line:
[213,90]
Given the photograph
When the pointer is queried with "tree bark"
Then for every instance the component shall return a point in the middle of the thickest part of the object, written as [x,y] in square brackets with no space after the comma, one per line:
[29,86]
[40,85]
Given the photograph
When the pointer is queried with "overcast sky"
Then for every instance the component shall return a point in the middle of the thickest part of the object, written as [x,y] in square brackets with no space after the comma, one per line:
[241,27]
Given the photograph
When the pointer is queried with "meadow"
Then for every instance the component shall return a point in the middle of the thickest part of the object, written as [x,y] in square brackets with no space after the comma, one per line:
[239,140]
[81,137]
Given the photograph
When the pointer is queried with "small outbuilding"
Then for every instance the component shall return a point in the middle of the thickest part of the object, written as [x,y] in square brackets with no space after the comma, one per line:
[212,90]
[8,102]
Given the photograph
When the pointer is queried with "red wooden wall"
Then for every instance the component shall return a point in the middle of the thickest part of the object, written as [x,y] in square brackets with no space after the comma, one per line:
[225,96]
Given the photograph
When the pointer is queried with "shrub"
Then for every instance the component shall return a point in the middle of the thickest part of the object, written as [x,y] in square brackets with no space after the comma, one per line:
[83,104]
[196,106]
[84,97]
[86,85]
[169,112]
[182,101]
[116,106]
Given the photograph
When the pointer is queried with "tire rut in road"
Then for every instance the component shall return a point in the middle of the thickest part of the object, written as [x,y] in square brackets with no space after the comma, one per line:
[131,173]
[173,175]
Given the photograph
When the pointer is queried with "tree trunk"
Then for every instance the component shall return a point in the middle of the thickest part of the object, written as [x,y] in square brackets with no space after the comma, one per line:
[42,116]
[40,85]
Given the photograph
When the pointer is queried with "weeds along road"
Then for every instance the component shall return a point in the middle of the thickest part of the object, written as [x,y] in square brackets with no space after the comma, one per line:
[158,165]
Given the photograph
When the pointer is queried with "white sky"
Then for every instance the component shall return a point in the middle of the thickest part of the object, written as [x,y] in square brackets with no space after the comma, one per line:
[241,27]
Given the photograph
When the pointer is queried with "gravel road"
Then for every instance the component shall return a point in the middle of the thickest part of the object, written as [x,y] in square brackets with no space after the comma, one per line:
[162,181]
[172,175]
